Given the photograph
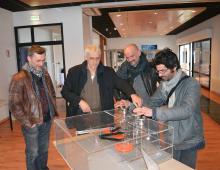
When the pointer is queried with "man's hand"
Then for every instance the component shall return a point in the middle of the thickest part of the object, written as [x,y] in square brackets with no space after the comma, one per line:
[122,103]
[84,106]
[143,111]
[137,101]
[33,125]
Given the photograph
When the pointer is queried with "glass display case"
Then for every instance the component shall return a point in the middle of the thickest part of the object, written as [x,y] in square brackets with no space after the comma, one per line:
[113,139]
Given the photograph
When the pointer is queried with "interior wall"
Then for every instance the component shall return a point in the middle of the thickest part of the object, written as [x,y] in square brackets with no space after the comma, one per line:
[160,41]
[72,20]
[8,63]
[87,29]
[211,27]
[95,38]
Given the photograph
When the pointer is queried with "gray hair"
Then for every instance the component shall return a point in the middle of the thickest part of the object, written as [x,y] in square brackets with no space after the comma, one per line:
[92,49]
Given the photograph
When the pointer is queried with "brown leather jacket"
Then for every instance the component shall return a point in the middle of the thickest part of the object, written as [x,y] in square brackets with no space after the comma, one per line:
[23,102]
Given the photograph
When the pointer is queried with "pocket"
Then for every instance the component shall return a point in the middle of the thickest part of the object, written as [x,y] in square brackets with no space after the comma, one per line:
[30,129]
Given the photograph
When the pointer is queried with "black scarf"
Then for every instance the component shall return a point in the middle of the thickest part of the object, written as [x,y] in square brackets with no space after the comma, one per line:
[133,72]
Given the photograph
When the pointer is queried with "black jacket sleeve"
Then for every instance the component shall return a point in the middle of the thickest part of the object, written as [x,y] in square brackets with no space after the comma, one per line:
[122,85]
[69,91]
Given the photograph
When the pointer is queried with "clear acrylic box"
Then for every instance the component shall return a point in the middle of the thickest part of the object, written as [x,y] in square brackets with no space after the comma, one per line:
[81,141]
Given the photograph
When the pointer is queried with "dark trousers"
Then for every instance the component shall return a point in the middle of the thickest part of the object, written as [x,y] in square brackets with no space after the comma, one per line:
[187,157]
[37,143]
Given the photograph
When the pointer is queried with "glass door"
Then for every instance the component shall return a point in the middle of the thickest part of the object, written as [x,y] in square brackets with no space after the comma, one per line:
[185,58]
[202,61]
[50,37]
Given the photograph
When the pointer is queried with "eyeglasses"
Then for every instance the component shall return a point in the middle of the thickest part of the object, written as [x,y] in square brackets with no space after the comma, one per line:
[162,71]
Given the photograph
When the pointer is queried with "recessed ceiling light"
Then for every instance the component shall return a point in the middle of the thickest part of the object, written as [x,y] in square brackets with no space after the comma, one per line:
[115,28]
[193,11]
[155,13]
[118,15]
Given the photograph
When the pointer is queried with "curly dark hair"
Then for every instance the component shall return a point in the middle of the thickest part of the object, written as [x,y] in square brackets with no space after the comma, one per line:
[167,58]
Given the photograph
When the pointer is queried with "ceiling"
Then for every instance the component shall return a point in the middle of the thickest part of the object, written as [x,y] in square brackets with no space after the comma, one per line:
[151,22]
[120,18]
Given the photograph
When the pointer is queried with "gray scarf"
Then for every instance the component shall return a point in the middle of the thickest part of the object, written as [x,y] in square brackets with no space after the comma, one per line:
[168,85]
[30,68]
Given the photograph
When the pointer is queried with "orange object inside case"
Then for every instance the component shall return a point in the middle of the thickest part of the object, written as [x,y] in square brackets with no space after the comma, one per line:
[123,147]
[119,136]
[106,131]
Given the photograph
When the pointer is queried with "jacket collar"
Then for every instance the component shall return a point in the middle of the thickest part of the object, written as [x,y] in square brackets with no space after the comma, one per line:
[141,67]
[99,70]
[27,68]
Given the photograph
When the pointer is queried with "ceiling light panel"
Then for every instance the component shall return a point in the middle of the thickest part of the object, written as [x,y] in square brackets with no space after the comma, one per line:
[151,22]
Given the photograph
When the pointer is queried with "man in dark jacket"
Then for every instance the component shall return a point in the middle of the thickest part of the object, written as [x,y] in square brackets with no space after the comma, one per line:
[138,72]
[89,86]
[32,102]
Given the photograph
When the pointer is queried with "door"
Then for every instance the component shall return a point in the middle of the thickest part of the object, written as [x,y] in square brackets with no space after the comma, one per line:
[202,61]
[50,37]
[185,58]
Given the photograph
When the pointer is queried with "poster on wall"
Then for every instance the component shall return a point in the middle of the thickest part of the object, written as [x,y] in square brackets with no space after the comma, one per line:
[148,47]
[149,51]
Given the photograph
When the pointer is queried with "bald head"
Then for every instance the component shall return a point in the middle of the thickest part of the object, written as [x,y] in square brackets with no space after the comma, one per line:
[132,54]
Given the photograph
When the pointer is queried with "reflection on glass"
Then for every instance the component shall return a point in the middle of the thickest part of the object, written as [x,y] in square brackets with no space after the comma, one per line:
[185,58]
[204,81]
[55,66]
[22,56]
[47,33]
[24,35]
[202,62]
[204,68]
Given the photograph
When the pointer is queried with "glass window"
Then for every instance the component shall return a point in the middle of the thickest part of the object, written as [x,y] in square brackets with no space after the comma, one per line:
[205,57]
[201,67]
[24,35]
[47,33]
[185,58]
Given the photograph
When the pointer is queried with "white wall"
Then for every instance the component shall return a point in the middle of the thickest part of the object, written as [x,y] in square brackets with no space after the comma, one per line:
[211,28]
[8,64]
[72,20]
[95,38]
[160,41]
[87,29]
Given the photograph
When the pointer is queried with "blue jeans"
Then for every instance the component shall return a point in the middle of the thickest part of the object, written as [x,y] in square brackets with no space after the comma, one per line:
[187,157]
[37,143]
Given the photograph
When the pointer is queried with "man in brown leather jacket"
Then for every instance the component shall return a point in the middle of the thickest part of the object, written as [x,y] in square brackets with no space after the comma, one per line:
[32,102]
